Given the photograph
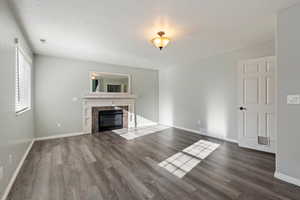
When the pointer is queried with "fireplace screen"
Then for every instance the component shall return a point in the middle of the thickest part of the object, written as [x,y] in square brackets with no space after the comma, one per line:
[110,120]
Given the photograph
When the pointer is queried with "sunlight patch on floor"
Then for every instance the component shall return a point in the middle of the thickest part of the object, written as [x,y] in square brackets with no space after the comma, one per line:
[183,162]
[201,149]
[132,133]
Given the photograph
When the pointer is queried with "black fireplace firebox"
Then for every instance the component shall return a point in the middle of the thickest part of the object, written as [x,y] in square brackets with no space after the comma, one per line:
[110,120]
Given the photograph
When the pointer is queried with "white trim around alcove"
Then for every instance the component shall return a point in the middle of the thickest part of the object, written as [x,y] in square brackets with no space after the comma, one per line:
[110,73]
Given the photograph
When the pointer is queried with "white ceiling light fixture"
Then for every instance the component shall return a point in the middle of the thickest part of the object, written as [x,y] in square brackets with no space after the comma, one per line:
[161,41]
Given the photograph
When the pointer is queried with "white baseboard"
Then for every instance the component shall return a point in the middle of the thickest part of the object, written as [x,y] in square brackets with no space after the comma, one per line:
[187,129]
[287,178]
[60,136]
[258,148]
[146,124]
[16,172]
[202,133]
[220,138]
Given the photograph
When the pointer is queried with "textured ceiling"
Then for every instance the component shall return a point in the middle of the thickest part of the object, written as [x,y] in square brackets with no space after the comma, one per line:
[118,32]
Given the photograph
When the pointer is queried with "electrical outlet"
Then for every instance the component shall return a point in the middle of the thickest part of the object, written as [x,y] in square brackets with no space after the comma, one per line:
[293,99]
[10,159]
[58,124]
[199,122]
[1,172]
[74,99]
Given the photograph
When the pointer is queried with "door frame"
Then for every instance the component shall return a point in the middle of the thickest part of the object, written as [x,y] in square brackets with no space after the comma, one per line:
[275,100]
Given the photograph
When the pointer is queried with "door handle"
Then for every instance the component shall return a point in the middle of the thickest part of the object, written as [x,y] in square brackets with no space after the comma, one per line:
[242,108]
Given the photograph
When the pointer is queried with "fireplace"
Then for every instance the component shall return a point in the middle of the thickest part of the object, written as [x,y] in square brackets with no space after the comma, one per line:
[93,103]
[110,120]
[106,118]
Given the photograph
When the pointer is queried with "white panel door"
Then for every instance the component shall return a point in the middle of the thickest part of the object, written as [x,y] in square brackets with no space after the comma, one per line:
[256,104]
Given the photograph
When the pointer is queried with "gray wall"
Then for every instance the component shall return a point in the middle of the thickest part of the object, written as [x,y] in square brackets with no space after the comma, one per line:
[288,51]
[59,80]
[205,91]
[16,132]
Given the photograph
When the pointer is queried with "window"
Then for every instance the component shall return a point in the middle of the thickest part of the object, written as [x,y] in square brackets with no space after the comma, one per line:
[23,81]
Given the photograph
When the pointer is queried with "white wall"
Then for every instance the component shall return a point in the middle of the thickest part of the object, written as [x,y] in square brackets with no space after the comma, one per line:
[205,91]
[58,80]
[288,51]
[16,132]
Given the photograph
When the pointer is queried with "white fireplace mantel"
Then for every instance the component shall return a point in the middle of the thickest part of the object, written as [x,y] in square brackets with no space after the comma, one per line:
[100,100]
[109,96]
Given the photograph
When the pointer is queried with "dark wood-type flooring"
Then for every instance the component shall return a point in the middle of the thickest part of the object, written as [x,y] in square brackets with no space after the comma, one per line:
[106,166]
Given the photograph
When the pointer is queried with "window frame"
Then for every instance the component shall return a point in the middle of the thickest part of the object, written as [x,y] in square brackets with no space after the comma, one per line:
[27,75]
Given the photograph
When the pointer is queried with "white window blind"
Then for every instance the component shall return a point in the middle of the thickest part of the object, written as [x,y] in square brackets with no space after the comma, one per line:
[23,81]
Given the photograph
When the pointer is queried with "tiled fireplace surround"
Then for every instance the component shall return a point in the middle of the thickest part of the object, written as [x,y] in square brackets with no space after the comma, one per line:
[93,104]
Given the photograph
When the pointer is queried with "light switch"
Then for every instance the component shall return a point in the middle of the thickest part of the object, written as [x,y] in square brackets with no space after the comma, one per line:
[293,99]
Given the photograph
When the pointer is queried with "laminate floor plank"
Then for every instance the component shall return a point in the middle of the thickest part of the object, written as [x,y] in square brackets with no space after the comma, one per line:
[105,166]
